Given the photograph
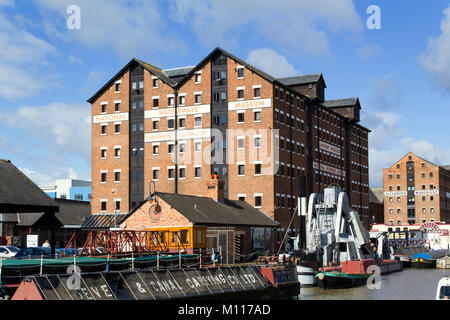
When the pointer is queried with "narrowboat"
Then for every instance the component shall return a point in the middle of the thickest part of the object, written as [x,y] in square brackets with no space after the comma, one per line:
[423,260]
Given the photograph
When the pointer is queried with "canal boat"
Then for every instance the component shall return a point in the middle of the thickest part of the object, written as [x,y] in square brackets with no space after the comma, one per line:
[443,263]
[423,260]
[340,280]
[443,289]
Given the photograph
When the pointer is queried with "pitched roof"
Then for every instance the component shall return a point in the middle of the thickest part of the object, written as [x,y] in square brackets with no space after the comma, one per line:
[266,76]
[71,213]
[338,103]
[152,69]
[293,81]
[104,221]
[446,167]
[16,189]
[376,195]
[203,210]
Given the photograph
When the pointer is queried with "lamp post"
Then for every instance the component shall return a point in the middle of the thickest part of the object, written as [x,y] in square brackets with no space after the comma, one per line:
[115,207]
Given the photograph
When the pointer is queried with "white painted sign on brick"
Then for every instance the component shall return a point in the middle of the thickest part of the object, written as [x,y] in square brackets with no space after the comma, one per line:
[250,104]
[181,111]
[105,118]
[181,135]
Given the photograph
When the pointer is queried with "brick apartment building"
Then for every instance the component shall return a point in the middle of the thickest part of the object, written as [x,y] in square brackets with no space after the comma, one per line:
[416,191]
[259,133]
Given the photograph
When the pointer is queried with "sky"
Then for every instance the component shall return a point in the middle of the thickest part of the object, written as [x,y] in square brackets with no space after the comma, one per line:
[400,70]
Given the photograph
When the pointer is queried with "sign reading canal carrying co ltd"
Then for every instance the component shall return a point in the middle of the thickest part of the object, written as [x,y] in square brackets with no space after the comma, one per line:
[114,117]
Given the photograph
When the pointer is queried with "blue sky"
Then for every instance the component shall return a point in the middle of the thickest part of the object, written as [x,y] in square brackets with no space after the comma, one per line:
[47,72]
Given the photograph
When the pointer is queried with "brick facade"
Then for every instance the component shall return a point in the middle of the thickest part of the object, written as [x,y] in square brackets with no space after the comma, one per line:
[312,139]
[416,191]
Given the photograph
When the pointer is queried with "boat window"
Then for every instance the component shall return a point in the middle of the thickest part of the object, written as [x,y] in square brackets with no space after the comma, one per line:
[445,293]
[342,247]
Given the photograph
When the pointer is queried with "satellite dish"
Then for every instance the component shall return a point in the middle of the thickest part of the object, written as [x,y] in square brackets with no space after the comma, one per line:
[155,212]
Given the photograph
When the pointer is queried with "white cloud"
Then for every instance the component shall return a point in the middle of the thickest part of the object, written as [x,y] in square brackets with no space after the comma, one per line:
[130,27]
[295,24]
[436,60]
[7,3]
[22,57]
[428,151]
[56,138]
[63,127]
[271,62]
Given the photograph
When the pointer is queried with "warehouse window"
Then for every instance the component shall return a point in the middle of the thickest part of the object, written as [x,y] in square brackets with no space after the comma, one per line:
[171,123]
[198,172]
[155,103]
[155,150]
[241,117]
[257,116]
[258,201]
[182,173]
[117,176]
[198,78]
[155,174]
[117,106]
[171,173]
[198,121]
[182,122]
[117,152]
[240,72]
[155,125]
[103,177]
[198,98]
[257,92]
[103,206]
[257,169]
[240,94]
[104,129]
[117,128]
[155,83]
[241,170]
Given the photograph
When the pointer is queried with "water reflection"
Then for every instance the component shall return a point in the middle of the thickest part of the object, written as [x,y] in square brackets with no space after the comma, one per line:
[410,284]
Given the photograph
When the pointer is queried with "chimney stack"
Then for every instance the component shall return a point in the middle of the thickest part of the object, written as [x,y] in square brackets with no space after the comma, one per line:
[215,188]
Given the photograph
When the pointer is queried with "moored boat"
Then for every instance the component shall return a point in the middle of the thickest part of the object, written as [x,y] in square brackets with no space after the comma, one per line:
[423,260]
[340,280]
[443,289]
[443,263]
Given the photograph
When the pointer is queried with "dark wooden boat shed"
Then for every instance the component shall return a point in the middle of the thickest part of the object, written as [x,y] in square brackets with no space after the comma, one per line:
[19,194]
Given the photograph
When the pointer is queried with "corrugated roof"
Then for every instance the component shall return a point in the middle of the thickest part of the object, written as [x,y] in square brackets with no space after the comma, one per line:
[16,189]
[202,210]
[104,221]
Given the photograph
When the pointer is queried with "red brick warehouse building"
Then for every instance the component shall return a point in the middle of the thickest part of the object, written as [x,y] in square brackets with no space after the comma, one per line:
[259,133]
[416,191]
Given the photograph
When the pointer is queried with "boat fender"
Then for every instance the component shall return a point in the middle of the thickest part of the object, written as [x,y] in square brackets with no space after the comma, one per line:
[321,276]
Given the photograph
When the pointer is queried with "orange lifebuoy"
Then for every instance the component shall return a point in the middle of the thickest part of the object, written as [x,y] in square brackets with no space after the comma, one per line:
[427,241]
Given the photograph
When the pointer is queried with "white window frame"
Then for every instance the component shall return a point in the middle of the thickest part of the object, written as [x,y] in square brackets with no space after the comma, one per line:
[240,164]
[115,83]
[196,167]
[159,172]
[239,138]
